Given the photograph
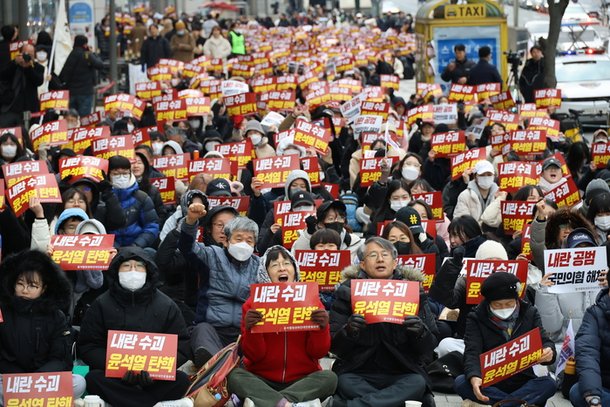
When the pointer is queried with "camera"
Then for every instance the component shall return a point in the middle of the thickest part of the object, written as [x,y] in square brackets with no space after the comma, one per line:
[513,58]
[26,57]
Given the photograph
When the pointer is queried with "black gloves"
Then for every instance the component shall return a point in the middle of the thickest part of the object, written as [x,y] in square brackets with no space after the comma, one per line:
[355,324]
[311,222]
[133,379]
[414,325]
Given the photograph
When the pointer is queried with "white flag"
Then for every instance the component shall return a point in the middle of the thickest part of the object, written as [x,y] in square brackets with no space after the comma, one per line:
[62,41]
[567,349]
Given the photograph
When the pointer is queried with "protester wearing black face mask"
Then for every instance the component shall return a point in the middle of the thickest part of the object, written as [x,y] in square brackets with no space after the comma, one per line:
[401,237]
[330,215]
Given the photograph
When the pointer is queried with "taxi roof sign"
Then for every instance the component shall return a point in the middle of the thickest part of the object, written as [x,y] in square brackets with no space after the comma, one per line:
[476,10]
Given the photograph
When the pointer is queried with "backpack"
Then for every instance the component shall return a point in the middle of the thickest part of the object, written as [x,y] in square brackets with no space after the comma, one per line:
[209,385]
[444,370]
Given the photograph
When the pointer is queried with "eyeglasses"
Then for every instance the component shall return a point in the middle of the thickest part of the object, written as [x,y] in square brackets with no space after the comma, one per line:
[375,255]
[276,265]
[218,225]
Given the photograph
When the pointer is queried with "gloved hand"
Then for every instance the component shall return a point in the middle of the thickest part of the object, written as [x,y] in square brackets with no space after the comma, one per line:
[253,317]
[144,379]
[130,377]
[104,185]
[414,325]
[458,256]
[355,324]
[320,317]
[311,223]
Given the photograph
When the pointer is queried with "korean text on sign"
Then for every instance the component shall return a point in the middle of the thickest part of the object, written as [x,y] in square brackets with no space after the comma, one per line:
[83,252]
[385,300]
[285,306]
[424,262]
[511,358]
[575,269]
[38,389]
[478,270]
[322,267]
[152,352]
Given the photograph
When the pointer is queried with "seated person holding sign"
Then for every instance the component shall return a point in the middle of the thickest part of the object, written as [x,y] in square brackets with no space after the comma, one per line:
[282,369]
[379,364]
[498,319]
[132,303]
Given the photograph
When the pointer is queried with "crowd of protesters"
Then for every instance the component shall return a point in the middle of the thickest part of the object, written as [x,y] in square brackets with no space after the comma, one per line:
[186,268]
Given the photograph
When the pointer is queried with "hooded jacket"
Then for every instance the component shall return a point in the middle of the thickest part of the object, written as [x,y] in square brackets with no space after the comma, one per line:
[143,310]
[224,281]
[286,356]
[470,202]
[381,344]
[593,347]
[34,335]
[41,234]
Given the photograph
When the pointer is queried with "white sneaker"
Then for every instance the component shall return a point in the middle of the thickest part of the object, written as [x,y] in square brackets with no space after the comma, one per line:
[309,403]
[185,402]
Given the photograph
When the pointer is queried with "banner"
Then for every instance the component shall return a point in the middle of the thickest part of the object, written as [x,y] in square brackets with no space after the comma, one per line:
[57,100]
[445,113]
[286,307]
[106,147]
[170,110]
[369,108]
[545,98]
[274,171]
[83,167]
[148,90]
[154,352]
[515,214]
[51,133]
[370,169]
[323,267]
[468,159]
[310,135]
[197,106]
[167,189]
[174,166]
[516,174]
[424,113]
[477,272]
[292,223]
[549,125]
[81,137]
[487,90]
[217,167]
[511,358]
[240,151]
[424,262]
[276,100]
[240,203]
[565,194]
[448,144]
[243,104]
[43,187]
[525,142]
[38,389]
[510,121]
[600,155]
[575,270]
[385,300]
[389,81]
[461,93]
[18,171]
[434,201]
[83,252]
[502,101]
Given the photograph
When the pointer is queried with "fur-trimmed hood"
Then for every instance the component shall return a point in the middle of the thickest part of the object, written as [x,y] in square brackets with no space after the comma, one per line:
[403,272]
[58,291]
[562,217]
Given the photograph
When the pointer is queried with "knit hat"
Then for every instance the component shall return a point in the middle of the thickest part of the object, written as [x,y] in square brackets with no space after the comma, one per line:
[218,187]
[596,187]
[119,162]
[254,125]
[410,217]
[180,25]
[491,249]
[500,286]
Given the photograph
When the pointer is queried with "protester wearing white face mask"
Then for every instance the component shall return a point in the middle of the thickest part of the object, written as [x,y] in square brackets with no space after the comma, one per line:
[132,303]
[255,132]
[10,149]
[479,193]
[228,271]
[599,215]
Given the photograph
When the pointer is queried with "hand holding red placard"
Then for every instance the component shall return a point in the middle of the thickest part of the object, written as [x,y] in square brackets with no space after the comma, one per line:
[478,270]
[385,300]
[83,166]
[83,252]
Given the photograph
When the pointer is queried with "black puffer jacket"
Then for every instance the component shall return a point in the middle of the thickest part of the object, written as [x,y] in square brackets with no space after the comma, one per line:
[144,310]
[78,72]
[34,336]
[593,347]
[482,335]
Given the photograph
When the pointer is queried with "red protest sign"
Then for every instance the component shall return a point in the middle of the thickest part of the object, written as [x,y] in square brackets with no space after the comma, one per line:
[15,172]
[51,133]
[240,203]
[385,300]
[170,110]
[369,108]
[600,154]
[167,189]
[125,103]
[322,267]
[142,136]
[511,358]
[502,101]
[565,194]
[515,214]
[424,112]
[43,187]
[159,73]
[83,167]
[429,89]
[516,174]
[274,171]
[83,252]
[525,142]
[487,90]
[57,100]
[15,131]
[528,110]
[311,135]
[106,147]
[333,189]
[15,48]
[137,351]
[435,201]
[81,137]
[263,84]
[478,270]
[424,262]
[240,152]
[526,236]
[148,90]
[286,307]
[243,104]
[312,167]
[292,223]
[549,125]
[197,106]
[468,159]
[174,166]
[461,93]
[218,167]
[38,389]
[92,119]
[545,98]
[370,169]
[277,100]
[510,121]
[389,81]
[448,144]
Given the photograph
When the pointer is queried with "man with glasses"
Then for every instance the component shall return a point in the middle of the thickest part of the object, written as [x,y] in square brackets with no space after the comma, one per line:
[379,364]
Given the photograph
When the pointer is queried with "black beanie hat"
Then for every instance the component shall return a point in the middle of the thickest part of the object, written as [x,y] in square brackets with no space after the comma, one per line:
[500,286]
[118,161]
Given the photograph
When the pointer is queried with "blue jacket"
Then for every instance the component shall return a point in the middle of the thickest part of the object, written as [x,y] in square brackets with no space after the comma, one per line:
[484,72]
[142,226]
[224,283]
[593,347]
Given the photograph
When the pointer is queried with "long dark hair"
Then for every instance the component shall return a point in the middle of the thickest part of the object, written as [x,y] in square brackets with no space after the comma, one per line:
[404,229]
